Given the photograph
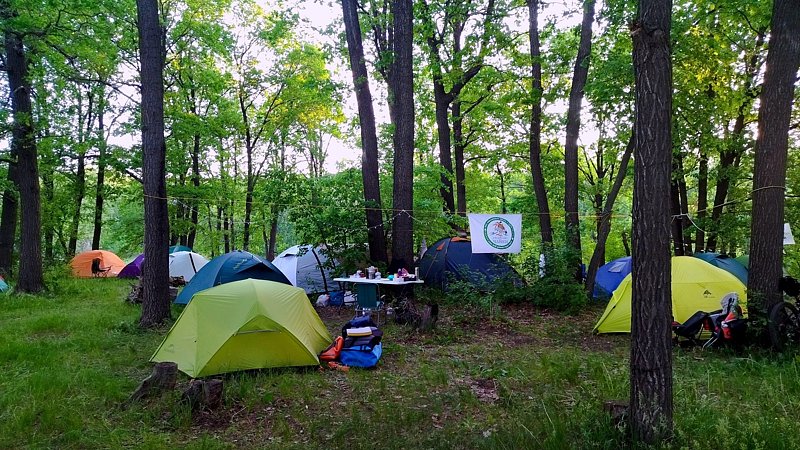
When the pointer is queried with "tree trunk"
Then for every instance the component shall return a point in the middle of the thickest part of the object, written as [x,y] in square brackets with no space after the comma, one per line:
[545,226]
[273,236]
[403,139]
[8,221]
[442,101]
[248,212]
[702,202]
[369,138]
[101,172]
[196,183]
[80,190]
[155,271]
[769,177]
[503,208]
[651,304]
[676,224]
[458,150]
[579,76]
[23,144]
[604,228]
[48,186]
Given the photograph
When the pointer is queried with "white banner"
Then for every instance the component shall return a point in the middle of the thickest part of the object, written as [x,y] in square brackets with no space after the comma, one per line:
[788,239]
[495,233]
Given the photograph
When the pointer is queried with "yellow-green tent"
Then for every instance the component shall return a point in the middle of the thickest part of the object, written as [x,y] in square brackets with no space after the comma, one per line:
[696,286]
[248,324]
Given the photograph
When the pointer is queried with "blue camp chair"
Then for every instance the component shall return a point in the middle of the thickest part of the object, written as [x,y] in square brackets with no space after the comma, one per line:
[368,303]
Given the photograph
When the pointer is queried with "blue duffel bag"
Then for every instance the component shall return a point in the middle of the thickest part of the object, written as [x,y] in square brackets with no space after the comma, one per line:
[361,355]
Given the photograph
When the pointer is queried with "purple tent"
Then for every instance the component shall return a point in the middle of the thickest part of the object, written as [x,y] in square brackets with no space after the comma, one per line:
[134,269]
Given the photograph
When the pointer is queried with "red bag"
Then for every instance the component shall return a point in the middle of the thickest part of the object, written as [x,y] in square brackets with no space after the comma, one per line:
[332,352]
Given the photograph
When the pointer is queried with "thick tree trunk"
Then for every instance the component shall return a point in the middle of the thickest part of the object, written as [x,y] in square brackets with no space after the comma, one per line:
[403,140]
[769,178]
[702,202]
[604,228]
[579,75]
[545,226]
[101,173]
[651,305]
[155,271]
[442,102]
[8,221]
[24,146]
[369,138]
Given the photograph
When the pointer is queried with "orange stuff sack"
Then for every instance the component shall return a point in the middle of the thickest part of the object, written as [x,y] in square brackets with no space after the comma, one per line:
[332,352]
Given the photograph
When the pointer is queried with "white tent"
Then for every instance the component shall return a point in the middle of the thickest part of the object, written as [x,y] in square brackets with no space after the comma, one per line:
[306,267]
[185,264]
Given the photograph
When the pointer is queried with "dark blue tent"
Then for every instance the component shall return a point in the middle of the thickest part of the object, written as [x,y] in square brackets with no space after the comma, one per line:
[179,248]
[452,259]
[726,263]
[610,275]
[234,266]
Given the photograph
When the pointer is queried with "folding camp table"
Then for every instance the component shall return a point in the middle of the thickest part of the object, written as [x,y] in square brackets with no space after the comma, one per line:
[367,291]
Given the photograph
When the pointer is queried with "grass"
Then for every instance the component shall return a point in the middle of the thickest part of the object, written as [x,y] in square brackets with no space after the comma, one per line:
[527,379]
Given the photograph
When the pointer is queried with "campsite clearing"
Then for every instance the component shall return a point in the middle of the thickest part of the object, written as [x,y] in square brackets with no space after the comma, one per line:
[530,379]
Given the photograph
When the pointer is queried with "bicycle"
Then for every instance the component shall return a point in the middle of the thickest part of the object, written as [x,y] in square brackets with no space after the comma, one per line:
[783,320]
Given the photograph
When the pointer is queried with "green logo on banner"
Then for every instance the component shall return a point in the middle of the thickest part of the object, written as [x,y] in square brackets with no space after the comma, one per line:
[498,233]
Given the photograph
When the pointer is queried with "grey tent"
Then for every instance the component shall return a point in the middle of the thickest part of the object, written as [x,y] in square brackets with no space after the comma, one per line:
[307,267]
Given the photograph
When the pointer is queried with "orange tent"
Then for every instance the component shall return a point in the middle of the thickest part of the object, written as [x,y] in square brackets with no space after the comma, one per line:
[82,263]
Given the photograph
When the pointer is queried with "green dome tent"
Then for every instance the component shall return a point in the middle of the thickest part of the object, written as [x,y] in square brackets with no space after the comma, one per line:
[248,324]
[696,286]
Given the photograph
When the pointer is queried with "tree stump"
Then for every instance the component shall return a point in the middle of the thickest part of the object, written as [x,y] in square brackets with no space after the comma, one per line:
[136,293]
[202,394]
[163,378]
[422,317]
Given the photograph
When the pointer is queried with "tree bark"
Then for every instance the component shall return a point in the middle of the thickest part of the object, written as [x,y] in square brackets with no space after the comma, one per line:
[155,270]
[579,76]
[403,139]
[651,304]
[23,144]
[196,183]
[604,227]
[369,138]
[545,226]
[101,172]
[702,201]
[458,149]
[769,177]
[8,221]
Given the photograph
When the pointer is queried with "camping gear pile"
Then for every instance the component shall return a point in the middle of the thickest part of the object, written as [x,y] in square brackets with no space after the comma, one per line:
[711,329]
[358,346]
[243,325]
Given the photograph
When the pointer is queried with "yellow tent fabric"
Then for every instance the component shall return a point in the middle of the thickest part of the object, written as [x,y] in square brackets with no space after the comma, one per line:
[247,324]
[82,263]
[696,286]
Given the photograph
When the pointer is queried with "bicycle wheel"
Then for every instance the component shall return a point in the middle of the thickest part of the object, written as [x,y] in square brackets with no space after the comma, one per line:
[784,328]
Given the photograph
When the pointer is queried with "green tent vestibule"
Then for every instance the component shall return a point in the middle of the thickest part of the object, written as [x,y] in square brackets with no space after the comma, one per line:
[248,324]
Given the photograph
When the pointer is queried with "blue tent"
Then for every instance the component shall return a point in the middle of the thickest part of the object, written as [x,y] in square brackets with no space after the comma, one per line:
[726,263]
[610,275]
[234,266]
[452,258]
[179,248]
[3,285]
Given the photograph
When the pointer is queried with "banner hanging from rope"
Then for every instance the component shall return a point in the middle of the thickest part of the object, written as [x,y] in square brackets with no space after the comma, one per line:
[495,233]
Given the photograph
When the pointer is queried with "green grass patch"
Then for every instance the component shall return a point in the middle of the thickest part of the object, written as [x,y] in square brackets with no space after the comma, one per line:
[527,378]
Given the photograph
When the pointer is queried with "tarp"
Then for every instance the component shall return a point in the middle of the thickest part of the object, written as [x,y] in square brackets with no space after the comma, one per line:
[82,263]
[452,259]
[726,263]
[696,286]
[306,267]
[233,266]
[610,275]
[185,264]
[247,324]
[133,269]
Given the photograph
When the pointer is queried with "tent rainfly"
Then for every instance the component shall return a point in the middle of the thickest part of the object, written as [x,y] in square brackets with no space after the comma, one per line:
[185,264]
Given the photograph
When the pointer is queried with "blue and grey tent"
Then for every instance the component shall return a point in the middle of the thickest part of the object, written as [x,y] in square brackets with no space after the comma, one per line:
[234,266]
[179,248]
[610,275]
[452,259]
[726,263]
